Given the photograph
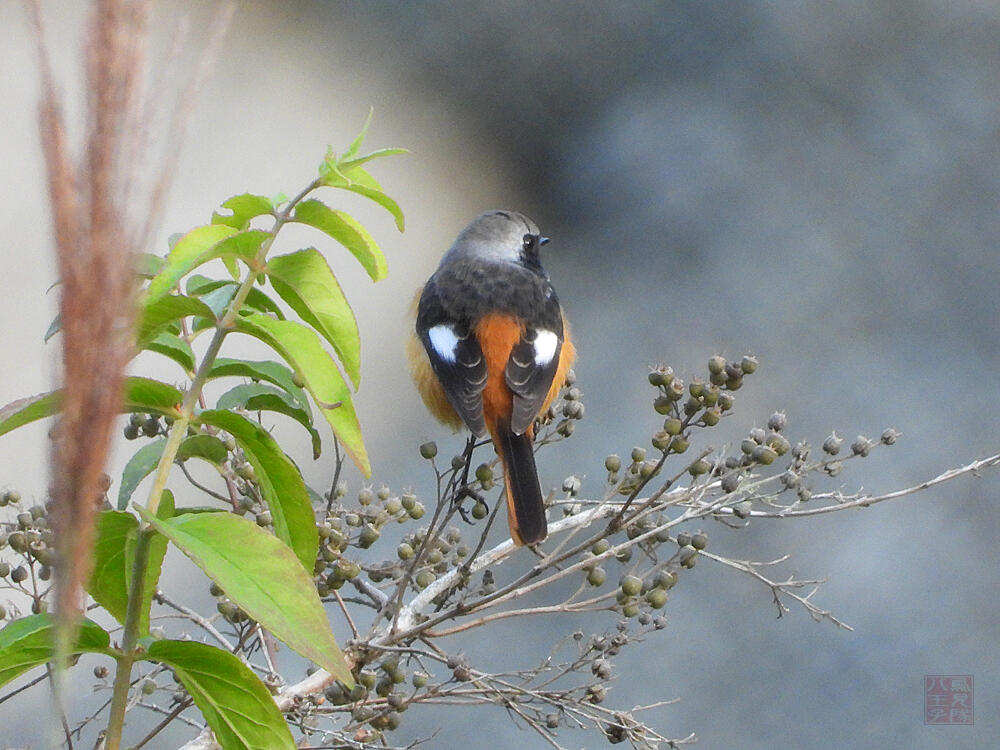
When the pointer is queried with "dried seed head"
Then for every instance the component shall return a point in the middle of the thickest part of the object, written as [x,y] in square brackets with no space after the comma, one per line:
[699,467]
[631,585]
[832,444]
[730,482]
[716,364]
[660,440]
[861,446]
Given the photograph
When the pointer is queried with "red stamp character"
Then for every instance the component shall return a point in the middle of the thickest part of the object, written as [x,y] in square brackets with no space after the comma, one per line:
[948,699]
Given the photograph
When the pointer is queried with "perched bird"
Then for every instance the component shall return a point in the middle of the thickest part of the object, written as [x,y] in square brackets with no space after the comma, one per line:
[491,350]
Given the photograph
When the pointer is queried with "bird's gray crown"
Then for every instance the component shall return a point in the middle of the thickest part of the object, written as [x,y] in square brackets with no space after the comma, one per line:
[494,235]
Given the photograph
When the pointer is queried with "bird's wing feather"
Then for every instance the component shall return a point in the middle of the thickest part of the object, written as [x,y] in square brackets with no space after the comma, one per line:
[456,359]
[529,373]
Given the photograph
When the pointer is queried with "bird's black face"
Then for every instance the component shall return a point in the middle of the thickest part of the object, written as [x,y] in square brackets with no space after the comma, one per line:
[530,245]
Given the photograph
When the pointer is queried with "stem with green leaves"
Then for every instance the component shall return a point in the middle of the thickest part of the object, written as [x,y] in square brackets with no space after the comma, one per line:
[178,431]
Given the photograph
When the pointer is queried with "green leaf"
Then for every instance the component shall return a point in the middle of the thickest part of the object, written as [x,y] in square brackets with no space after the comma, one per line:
[301,348]
[157,551]
[185,256]
[355,146]
[156,314]
[243,208]
[140,466]
[257,300]
[263,576]
[279,480]
[359,181]
[146,394]
[236,705]
[306,283]
[200,285]
[114,556]
[28,642]
[256,397]
[196,284]
[175,348]
[338,171]
[147,265]
[207,447]
[272,372]
[314,497]
[232,266]
[329,169]
[27,410]
[243,246]
[154,565]
[141,394]
[218,299]
[347,165]
[54,327]
[347,231]
[109,580]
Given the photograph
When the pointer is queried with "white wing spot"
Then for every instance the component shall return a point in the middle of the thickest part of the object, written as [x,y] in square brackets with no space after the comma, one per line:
[545,347]
[444,341]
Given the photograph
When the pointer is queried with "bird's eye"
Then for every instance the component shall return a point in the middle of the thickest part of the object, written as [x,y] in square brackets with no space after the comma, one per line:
[530,241]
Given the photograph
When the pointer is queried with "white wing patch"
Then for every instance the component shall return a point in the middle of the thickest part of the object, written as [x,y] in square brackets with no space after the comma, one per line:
[546,343]
[444,341]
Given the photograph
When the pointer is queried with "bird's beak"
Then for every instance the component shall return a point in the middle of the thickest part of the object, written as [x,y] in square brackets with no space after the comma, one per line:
[542,241]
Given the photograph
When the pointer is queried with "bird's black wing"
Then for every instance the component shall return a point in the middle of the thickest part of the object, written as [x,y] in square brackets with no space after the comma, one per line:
[455,357]
[529,373]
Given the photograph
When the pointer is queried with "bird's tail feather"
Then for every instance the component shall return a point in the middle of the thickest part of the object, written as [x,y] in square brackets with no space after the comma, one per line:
[525,507]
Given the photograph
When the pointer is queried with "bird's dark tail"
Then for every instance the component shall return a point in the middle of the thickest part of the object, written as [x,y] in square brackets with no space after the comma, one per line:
[525,507]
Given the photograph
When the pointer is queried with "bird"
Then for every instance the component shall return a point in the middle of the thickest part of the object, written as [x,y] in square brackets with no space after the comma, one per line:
[491,349]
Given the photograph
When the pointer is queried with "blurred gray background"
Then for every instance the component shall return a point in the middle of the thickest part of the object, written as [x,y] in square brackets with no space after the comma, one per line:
[813,182]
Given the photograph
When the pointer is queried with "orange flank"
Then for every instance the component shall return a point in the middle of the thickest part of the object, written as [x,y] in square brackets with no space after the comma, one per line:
[567,356]
[430,388]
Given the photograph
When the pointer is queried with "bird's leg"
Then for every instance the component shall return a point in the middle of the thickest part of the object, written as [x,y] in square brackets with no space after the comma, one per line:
[464,489]
[470,446]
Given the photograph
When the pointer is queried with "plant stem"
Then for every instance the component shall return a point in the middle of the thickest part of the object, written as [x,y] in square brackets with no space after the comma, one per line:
[123,672]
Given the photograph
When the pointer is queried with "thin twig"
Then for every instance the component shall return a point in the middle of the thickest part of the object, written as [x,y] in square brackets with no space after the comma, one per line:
[554,609]
[196,618]
[163,724]
[846,502]
[347,614]
[12,693]
[202,487]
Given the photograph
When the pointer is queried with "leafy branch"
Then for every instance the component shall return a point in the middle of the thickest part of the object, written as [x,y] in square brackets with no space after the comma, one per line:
[241,557]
